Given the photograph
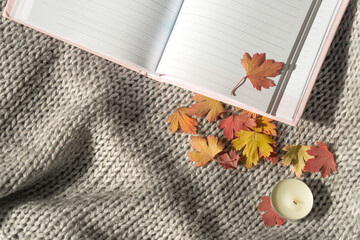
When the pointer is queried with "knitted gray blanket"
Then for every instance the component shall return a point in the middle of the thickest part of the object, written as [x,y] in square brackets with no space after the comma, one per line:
[85,152]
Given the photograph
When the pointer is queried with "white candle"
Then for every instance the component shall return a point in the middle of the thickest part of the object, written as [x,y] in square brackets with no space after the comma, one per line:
[292,199]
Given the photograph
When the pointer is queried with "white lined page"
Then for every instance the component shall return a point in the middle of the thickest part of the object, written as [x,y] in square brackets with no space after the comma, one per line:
[210,38]
[132,30]
[296,87]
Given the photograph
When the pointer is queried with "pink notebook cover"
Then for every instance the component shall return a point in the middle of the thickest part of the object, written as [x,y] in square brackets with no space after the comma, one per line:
[314,74]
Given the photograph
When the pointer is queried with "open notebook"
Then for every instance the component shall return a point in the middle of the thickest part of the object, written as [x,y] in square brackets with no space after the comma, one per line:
[198,44]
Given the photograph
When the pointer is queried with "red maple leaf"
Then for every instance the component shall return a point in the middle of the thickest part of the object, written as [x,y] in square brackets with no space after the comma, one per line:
[180,119]
[229,161]
[270,215]
[273,156]
[323,158]
[235,123]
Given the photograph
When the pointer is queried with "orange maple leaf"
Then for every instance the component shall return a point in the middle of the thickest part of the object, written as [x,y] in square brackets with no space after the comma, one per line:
[265,125]
[205,150]
[253,115]
[258,70]
[180,119]
[205,105]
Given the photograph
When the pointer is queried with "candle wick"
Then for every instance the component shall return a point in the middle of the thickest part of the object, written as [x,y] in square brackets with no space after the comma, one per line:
[297,202]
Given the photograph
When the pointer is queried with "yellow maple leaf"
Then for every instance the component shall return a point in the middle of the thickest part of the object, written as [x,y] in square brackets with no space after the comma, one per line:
[265,125]
[252,142]
[295,156]
[180,119]
[205,150]
[205,105]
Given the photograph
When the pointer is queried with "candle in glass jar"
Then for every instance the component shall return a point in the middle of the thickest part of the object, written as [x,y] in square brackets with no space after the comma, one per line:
[292,199]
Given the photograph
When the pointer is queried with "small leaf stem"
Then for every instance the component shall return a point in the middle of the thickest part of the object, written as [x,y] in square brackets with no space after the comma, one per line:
[237,86]
[299,134]
[281,137]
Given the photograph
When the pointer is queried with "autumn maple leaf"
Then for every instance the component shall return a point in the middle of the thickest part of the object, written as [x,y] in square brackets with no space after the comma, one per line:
[229,161]
[205,105]
[273,156]
[235,123]
[270,215]
[180,119]
[265,125]
[252,142]
[253,115]
[205,150]
[258,70]
[322,158]
[295,156]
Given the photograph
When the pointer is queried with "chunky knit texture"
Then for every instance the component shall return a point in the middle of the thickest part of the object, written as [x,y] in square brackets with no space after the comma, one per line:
[85,152]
